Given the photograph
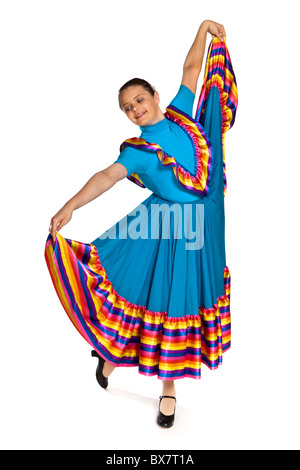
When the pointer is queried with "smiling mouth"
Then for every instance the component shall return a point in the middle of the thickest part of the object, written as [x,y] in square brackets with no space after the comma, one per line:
[140,115]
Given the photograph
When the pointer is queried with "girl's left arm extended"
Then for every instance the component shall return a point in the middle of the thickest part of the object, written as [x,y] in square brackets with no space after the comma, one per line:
[193,62]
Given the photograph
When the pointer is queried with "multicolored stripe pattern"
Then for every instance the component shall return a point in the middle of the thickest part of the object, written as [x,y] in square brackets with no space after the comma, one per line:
[126,334]
[219,73]
[197,182]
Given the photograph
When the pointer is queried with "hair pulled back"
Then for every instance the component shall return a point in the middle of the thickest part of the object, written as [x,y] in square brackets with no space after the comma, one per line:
[136,81]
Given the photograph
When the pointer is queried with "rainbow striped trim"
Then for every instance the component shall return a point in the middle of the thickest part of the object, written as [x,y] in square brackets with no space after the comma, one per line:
[126,334]
[199,182]
[219,73]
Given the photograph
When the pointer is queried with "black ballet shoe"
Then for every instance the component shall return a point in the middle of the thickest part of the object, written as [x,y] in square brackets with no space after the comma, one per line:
[102,380]
[166,421]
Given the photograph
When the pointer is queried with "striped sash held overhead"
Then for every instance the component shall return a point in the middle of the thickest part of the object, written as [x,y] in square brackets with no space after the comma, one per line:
[219,73]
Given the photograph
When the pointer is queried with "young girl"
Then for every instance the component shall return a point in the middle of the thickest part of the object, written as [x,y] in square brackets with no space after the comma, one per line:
[143,294]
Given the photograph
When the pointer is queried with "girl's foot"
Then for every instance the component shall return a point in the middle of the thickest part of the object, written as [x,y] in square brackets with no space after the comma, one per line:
[167,405]
[107,369]
[104,369]
[162,419]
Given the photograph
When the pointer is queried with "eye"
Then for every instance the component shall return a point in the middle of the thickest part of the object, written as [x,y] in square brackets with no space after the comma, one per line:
[139,100]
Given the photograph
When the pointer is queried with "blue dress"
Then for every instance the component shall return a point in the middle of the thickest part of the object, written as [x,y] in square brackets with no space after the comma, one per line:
[180,281]
[153,291]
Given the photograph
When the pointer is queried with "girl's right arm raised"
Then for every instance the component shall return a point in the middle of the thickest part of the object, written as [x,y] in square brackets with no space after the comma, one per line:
[193,62]
[95,186]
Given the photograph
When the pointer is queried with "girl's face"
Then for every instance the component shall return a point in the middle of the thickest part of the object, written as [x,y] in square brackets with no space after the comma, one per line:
[140,106]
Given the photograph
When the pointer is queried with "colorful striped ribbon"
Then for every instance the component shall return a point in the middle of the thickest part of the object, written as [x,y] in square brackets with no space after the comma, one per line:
[219,73]
[126,334]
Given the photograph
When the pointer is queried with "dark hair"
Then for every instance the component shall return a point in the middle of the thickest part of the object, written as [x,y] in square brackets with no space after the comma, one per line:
[136,81]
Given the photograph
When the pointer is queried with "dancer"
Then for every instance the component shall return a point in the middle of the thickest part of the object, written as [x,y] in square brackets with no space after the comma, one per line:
[153,291]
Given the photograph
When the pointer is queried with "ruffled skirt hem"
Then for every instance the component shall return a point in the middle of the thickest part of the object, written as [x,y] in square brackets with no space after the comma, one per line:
[129,335]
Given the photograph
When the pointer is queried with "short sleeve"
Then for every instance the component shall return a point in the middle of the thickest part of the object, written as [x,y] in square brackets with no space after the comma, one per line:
[135,160]
[184,100]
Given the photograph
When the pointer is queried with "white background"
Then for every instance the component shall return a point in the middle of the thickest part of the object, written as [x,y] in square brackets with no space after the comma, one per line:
[62,63]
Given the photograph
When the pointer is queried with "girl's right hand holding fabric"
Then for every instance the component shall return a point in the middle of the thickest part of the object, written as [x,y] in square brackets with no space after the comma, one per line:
[215,29]
[60,219]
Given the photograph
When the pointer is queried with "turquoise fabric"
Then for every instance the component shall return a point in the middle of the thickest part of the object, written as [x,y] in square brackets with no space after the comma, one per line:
[160,273]
[173,140]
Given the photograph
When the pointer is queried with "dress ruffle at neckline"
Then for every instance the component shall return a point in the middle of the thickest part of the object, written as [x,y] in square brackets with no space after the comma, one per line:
[197,182]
